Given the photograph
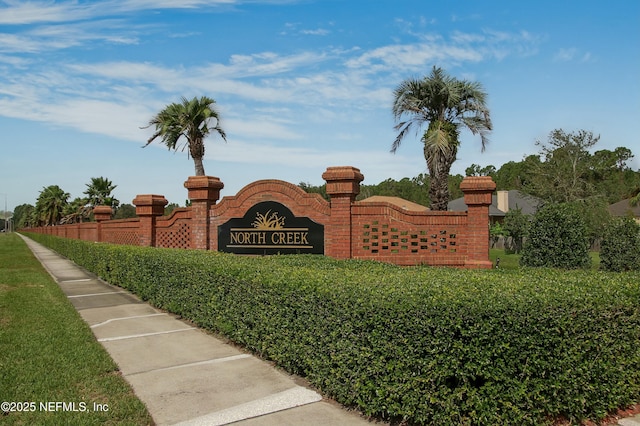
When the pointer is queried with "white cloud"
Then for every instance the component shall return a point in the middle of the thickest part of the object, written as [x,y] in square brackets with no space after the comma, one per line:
[571,54]
[29,12]
[376,165]
[318,32]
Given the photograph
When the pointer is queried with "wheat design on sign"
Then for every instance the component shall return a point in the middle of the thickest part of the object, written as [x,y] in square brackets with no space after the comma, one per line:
[268,221]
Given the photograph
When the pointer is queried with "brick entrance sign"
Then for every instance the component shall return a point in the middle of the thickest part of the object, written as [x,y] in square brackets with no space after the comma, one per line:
[272,216]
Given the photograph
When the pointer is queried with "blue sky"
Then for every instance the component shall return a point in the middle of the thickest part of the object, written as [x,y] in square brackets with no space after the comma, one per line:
[300,85]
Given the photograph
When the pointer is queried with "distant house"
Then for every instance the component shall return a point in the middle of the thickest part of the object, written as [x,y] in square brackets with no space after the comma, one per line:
[501,203]
[624,208]
[400,202]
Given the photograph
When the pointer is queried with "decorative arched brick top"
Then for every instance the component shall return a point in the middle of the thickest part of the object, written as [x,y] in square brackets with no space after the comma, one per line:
[295,198]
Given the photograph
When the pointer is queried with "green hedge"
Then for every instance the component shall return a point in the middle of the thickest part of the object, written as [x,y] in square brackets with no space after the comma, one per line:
[620,247]
[420,345]
[557,238]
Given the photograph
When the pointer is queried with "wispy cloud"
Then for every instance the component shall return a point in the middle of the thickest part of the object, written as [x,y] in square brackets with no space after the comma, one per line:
[318,32]
[16,12]
[31,12]
[571,54]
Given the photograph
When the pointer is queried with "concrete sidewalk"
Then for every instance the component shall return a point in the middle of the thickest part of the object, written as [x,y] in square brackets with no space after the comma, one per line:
[184,375]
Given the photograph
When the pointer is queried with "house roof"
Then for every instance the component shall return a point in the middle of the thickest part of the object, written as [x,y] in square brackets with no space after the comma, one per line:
[623,208]
[517,200]
[400,202]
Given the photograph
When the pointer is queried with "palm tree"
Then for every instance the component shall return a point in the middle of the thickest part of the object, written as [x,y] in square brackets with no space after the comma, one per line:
[50,205]
[191,120]
[447,105]
[76,211]
[98,192]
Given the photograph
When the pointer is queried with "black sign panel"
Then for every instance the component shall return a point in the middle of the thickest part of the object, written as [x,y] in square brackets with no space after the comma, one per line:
[271,228]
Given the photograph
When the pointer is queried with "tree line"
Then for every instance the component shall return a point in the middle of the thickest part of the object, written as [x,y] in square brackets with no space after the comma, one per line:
[564,170]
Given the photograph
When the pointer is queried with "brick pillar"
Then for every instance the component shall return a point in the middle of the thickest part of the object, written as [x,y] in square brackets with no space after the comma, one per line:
[204,191]
[477,195]
[148,208]
[343,184]
[100,213]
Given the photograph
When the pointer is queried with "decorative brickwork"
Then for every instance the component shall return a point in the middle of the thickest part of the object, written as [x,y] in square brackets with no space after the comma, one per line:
[343,185]
[385,232]
[204,191]
[148,208]
[124,231]
[175,230]
[293,197]
[365,230]
[102,213]
[477,195]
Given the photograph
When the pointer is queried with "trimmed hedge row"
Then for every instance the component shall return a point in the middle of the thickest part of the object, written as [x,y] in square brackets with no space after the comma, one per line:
[419,345]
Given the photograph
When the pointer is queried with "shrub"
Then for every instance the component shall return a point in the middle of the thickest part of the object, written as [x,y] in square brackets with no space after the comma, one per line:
[516,225]
[620,248]
[414,345]
[557,238]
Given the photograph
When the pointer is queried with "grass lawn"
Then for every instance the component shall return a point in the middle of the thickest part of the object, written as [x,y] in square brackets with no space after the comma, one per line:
[51,366]
[512,261]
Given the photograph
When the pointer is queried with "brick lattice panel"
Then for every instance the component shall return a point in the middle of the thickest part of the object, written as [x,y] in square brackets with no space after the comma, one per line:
[129,237]
[384,238]
[176,236]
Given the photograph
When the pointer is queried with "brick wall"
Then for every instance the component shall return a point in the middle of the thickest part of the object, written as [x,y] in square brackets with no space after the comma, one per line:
[364,230]
[385,232]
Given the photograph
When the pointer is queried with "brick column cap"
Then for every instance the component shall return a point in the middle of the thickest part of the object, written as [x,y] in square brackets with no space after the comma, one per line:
[203,188]
[150,204]
[343,173]
[343,180]
[477,190]
[102,213]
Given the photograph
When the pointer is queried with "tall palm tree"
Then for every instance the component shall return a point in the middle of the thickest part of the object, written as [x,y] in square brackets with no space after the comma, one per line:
[190,119]
[98,192]
[447,105]
[50,205]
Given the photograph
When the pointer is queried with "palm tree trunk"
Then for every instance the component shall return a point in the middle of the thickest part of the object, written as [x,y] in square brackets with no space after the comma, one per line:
[439,167]
[196,149]
[199,166]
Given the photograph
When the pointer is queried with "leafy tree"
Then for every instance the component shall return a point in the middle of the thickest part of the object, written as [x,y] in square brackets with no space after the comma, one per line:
[311,189]
[477,170]
[563,175]
[557,238]
[22,215]
[595,214]
[447,105]
[50,205]
[516,226]
[620,249]
[169,208]
[454,186]
[496,232]
[99,191]
[516,175]
[125,211]
[189,119]
[611,175]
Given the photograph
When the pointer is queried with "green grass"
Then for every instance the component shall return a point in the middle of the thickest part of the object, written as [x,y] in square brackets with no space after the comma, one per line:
[49,354]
